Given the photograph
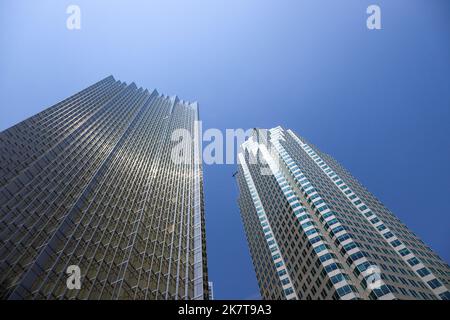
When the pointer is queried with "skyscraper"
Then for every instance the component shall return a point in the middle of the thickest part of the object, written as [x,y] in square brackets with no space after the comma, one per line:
[315,232]
[89,183]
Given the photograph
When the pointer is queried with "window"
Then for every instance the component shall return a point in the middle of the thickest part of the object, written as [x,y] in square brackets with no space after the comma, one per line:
[289,291]
[331,267]
[396,243]
[404,252]
[337,278]
[381,291]
[423,272]
[356,256]
[445,295]
[435,283]
[349,246]
[413,261]
[342,291]
[388,235]
[325,257]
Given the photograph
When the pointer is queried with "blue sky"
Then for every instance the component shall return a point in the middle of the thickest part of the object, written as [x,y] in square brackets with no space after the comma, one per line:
[378,101]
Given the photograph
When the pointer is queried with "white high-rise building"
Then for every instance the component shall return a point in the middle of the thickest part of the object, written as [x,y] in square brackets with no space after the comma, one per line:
[315,232]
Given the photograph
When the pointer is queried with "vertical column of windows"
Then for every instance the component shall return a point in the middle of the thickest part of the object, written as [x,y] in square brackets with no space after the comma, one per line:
[277,258]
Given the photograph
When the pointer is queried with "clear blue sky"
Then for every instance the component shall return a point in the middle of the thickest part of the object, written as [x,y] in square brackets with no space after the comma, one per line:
[379,101]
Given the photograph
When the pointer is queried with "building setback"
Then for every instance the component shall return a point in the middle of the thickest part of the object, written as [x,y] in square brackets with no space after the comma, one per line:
[315,232]
[89,182]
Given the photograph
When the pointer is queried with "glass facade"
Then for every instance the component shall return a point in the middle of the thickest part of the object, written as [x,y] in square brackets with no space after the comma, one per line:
[90,182]
[315,232]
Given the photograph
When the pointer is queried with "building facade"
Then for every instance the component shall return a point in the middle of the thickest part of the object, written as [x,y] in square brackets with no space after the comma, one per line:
[90,183]
[211,290]
[315,232]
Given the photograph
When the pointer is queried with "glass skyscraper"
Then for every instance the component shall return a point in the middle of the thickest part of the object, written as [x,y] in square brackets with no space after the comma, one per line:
[315,232]
[89,182]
